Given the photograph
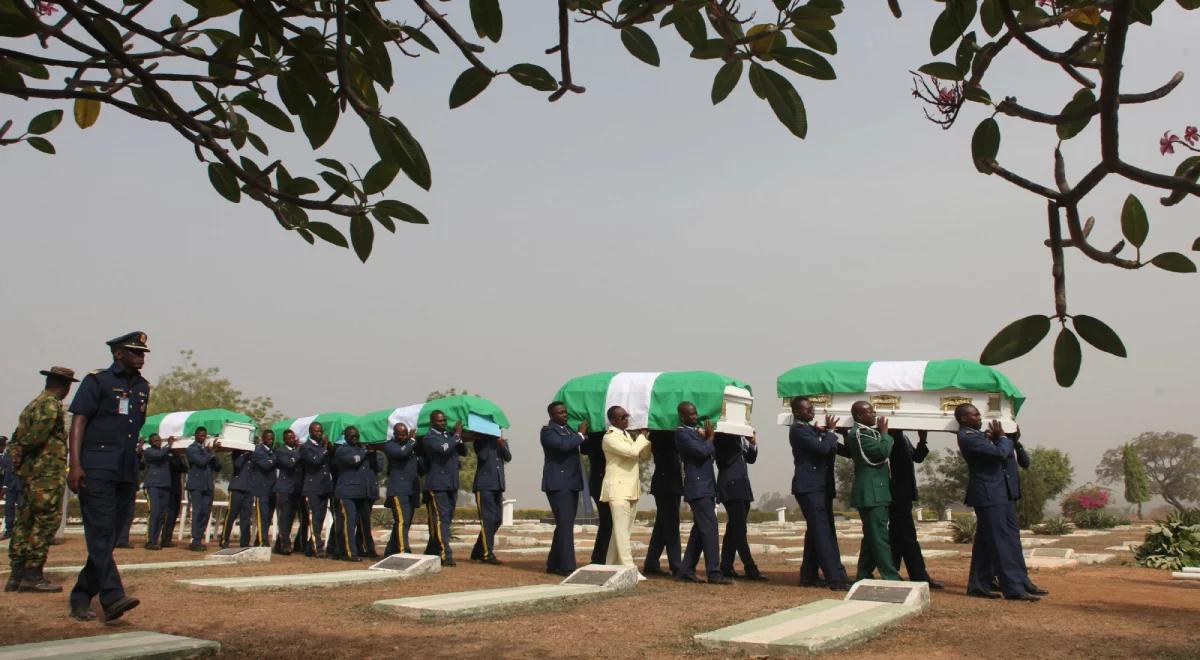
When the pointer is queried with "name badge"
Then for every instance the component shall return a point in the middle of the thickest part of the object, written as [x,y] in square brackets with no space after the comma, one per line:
[123,406]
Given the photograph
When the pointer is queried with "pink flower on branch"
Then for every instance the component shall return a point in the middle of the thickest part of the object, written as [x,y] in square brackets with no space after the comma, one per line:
[1191,134]
[1166,144]
[44,8]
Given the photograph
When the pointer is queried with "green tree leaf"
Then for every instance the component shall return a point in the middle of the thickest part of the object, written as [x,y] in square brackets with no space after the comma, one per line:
[1174,262]
[532,75]
[327,233]
[45,122]
[87,111]
[817,40]
[640,45]
[1135,226]
[224,181]
[380,176]
[301,186]
[990,16]
[489,22]
[1082,100]
[1067,358]
[805,62]
[41,144]
[943,70]
[469,85]
[1098,334]
[391,208]
[1016,339]
[985,144]
[362,236]
[266,111]
[419,37]
[726,79]
[782,97]
[691,28]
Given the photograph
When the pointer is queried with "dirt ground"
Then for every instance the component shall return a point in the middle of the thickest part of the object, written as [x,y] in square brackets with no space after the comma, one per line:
[1101,611]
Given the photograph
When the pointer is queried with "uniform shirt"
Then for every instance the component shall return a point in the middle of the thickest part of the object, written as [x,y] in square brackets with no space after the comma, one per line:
[158,467]
[561,467]
[240,482]
[179,466]
[262,471]
[315,459]
[490,458]
[287,461]
[441,450]
[403,468]
[114,402]
[40,439]
[356,471]
[697,455]
[872,482]
[813,454]
[203,465]
[988,481]
[733,452]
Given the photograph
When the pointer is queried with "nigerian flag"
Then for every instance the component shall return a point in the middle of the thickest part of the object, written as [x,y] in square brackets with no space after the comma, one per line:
[850,377]
[476,414]
[650,397]
[184,424]
[332,423]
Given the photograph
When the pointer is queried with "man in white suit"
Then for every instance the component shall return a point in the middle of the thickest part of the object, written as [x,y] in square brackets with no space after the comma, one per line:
[622,481]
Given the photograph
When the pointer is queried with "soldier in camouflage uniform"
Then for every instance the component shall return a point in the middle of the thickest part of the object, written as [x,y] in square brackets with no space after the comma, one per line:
[39,458]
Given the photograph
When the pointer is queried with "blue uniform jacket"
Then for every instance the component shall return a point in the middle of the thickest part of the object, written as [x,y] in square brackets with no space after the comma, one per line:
[404,468]
[262,471]
[561,467]
[8,478]
[356,472]
[733,477]
[490,458]
[813,454]
[202,467]
[287,461]
[668,469]
[315,459]
[158,467]
[441,450]
[988,483]
[109,448]
[240,481]
[697,456]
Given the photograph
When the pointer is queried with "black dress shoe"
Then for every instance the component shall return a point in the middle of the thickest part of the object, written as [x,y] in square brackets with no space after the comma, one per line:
[449,562]
[197,547]
[168,544]
[152,546]
[755,577]
[840,586]
[719,578]
[1023,596]
[731,574]
[653,570]
[493,561]
[691,578]
[124,546]
[976,593]
[123,605]
[935,585]
[82,613]
[1032,588]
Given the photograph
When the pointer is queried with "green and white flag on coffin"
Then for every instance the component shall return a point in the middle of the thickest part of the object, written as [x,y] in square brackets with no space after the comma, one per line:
[834,377]
[650,397]
[184,424]
[331,423]
[477,414]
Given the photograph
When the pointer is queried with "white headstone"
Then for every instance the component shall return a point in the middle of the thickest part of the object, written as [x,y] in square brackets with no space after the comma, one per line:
[948,514]
[891,591]
[507,515]
[617,578]
[781,514]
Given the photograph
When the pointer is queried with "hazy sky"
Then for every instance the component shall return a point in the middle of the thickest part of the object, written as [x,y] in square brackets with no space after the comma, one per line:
[634,227]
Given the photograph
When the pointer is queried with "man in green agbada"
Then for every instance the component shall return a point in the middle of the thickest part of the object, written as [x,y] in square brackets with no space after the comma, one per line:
[39,455]
[869,445]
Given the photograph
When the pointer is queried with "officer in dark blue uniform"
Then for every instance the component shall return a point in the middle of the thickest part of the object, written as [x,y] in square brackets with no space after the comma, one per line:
[993,492]
[355,472]
[696,450]
[178,464]
[403,485]
[262,487]
[241,502]
[491,453]
[287,492]
[158,485]
[593,448]
[562,479]
[366,535]
[733,453]
[203,466]
[316,454]
[814,451]
[127,523]
[11,486]
[666,485]
[109,409]
[902,531]
[441,449]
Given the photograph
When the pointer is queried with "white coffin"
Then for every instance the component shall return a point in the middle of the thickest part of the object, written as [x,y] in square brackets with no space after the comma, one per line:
[235,435]
[927,410]
[735,412]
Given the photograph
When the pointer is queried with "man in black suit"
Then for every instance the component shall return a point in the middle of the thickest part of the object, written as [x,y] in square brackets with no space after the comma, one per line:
[733,489]
[814,451]
[562,479]
[902,531]
[593,446]
[666,485]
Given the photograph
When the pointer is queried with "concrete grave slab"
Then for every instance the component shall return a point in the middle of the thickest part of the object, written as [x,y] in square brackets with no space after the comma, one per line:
[409,565]
[297,581]
[242,555]
[1190,569]
[933,538]
[139,644]
[1181,575]
[588,583]
[1050,558]
[1093,557]
[1053,553]
[147,566]
[541,550]
[1035,542]
[891,591]
[939,554]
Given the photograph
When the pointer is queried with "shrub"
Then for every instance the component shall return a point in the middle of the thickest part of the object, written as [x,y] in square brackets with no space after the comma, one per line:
[1170,544]
[1187,516]
[1056,526]
[1085,498]
[962,530]
[1097,519]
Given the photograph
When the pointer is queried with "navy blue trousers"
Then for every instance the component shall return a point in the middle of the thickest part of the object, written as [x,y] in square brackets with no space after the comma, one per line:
[439,507]
[665,535]
[563,504]
[287,506]
[703,538]
[820,540]
[997,550]
[402,507]
[104,504]
[489,504]
[201,503]
[159,503]
[241,509]
[317,506]
[735,542]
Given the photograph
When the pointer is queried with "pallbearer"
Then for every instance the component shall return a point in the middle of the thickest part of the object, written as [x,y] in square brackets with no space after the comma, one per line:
[700,490]
[315,456]
[666,485]
[288,500]
[814,450]
[733,453]
[202,467]
[562,480]
[491,453]
[158,485]
[403,485]
[869,445]
[241,501]
[262,487]
[902,531]
[178,464]
[442,449]
[356,469]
